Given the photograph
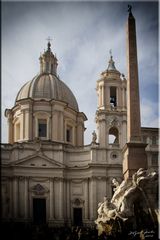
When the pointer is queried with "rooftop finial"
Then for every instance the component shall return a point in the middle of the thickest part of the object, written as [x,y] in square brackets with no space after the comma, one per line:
[110,52]
[111,65]
[49,44]
[130,10]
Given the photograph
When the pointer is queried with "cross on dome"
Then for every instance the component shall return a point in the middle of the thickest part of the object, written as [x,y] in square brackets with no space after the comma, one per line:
[49,43]
[110,51]
[49,39]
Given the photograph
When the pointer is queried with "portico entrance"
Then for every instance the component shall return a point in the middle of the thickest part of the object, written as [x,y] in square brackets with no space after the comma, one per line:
[77,216]
[39,210]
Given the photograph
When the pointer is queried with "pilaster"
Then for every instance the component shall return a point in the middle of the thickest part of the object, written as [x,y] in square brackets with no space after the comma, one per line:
[93,198]
[61,198]
[68,199]
[26,197]
[86,203]
[15,197]
[51,199]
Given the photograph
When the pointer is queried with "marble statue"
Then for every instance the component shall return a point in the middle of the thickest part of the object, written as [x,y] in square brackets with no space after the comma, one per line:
[94,137]
[115,184]
[122,203]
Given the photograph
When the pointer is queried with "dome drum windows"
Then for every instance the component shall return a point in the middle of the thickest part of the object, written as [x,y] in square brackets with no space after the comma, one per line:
[42,125]
[69,131]
[69,134]
[42,128]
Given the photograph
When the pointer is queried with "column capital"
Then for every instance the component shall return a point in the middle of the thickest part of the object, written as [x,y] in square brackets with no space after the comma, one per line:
[58,178]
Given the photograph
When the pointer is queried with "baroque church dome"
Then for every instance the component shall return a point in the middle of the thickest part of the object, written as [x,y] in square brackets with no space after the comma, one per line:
[47,85]
[46,109]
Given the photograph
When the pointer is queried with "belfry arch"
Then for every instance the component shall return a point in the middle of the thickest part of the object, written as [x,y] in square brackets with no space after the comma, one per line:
[113,136]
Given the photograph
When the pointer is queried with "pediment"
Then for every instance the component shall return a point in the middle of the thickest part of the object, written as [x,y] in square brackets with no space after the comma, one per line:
[38,160]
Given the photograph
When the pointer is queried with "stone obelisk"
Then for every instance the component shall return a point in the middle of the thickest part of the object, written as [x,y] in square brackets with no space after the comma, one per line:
[134,156]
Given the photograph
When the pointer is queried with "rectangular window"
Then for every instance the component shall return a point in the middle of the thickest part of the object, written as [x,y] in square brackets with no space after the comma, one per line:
[69,134]
[42,128]
[113,97]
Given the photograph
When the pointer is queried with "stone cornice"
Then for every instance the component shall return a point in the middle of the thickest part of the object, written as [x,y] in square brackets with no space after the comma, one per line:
[105,165]
[134,145]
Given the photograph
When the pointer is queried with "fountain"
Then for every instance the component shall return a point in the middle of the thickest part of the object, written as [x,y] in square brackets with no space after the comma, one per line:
[133,209]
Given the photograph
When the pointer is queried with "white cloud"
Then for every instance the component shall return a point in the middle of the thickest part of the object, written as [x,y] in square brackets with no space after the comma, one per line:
[149,116]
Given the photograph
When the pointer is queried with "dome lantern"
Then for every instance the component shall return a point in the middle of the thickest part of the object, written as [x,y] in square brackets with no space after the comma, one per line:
[48,61]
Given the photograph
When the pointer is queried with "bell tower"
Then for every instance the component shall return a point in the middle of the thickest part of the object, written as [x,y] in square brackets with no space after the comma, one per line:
[111,115]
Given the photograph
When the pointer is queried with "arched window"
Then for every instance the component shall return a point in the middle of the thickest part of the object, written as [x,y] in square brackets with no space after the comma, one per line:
[113,136]
[113,96]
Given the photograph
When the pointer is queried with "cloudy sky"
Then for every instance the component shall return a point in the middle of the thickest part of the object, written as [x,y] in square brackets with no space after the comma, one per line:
[82,33]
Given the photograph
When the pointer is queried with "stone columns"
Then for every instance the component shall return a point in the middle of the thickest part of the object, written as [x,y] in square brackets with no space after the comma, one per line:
[93,198]
[36,128]
[79,134]
[108,98]
[23,124]
[103,103]
[101,127]
[8,115]
[27,125]
[123,98]
[51,199]
[15,197]
[118,97]
[61,198]
[26,197]
[30,123]
[49,127]
[10,130]
[61,127]
[54,128]
[10,196]
[86,193]
[100,96]
[68,195]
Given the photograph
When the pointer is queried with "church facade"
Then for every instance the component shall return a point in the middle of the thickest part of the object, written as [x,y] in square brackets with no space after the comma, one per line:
[48,174]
